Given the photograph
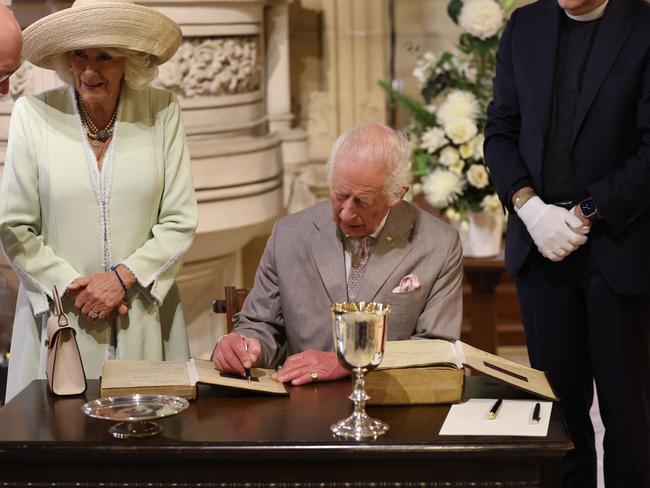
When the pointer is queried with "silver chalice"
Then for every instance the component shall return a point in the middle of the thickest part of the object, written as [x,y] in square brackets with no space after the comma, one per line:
[359,335]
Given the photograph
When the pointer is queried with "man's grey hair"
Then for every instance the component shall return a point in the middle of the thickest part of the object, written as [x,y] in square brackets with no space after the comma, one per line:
[139,71]
[377,144]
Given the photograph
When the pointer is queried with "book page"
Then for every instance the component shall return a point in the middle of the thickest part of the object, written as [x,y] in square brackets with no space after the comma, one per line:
[418,352]
[515,374]
[135,374]
[206,372]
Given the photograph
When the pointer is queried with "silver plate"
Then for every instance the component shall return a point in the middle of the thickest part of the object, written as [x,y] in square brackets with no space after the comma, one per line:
[134,408]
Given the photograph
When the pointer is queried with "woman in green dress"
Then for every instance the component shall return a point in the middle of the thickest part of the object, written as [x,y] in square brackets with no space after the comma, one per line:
[97,196]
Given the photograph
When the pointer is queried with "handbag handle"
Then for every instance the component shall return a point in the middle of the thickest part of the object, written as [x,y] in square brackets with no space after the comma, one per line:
[58,309]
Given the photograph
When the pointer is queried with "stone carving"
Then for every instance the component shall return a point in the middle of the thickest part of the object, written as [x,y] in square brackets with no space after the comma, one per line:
[213,66]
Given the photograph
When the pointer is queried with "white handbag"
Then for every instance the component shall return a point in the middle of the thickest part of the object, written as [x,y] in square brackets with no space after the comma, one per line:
[64,370]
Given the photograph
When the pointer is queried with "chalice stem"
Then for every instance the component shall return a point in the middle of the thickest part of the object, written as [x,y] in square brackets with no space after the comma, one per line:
[359,395]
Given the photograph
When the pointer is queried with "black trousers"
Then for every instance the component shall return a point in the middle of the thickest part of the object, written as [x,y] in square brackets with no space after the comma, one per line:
[581,332]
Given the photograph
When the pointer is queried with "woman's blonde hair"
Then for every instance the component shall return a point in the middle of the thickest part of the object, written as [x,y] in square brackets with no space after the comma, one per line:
[140,69]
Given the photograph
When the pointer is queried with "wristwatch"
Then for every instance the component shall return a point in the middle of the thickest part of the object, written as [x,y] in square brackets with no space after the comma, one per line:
[589,210]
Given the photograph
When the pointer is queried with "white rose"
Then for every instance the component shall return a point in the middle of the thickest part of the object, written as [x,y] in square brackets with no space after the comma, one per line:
[433,139]
[459,104]
[477,144]
[466,150]
[477,176]
[458,167]
[460,130]
[491,203]
[448,156]
[452,214]
[441,187]
[481,18]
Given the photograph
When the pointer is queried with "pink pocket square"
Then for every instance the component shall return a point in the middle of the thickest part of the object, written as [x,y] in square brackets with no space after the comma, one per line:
[409,283]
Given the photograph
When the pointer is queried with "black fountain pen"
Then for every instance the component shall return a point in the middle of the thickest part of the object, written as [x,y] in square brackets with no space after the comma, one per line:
[536,413]
[492,414]
[247,371]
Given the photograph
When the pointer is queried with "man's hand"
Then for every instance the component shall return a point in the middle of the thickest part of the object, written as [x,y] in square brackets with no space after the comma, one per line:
[556,231]
[298,368]
[230,354]
[99,296]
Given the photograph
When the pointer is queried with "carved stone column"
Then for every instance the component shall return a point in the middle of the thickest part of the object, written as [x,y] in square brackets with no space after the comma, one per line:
[294,140]
[219,74]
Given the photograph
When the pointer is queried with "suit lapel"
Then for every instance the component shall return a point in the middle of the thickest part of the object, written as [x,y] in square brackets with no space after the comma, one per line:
[393,245]
[613,31]
[327,251]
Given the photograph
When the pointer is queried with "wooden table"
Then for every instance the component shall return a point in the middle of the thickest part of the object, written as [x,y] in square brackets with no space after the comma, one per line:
[483,275]
[230,438]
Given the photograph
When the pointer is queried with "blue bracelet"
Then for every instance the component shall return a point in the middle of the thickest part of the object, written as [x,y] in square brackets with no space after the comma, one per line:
[114,270]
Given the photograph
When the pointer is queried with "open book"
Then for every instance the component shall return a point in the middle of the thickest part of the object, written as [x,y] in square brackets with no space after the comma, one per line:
[426,371]
[124,377]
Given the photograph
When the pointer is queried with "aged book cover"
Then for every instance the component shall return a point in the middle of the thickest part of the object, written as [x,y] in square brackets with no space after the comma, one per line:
[124,377]
[427,371]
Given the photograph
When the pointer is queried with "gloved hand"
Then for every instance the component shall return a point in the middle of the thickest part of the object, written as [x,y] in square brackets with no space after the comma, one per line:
[555,231]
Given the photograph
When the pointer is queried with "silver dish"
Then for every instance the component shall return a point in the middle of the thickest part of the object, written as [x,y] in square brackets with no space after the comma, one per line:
[135,413]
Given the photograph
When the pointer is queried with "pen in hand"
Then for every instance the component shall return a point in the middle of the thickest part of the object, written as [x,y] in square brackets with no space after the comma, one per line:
[536,417]
[247,371]
[494,411]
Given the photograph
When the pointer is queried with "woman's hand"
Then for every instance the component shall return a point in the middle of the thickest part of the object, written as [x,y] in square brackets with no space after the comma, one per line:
[101,296]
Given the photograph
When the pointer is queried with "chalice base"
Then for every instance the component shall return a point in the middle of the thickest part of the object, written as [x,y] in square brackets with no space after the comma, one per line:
[359,427]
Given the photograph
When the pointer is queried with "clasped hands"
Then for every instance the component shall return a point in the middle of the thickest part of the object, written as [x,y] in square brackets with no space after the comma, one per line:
[234,352]
[556,231]
[100,296]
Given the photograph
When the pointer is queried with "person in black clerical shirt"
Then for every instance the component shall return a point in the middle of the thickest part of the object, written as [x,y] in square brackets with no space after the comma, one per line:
[568,143]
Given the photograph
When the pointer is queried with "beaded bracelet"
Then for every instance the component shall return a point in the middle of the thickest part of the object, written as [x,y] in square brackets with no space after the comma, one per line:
[114,270]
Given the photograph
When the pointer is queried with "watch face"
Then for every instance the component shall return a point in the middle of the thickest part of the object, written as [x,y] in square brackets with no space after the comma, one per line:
[588,207]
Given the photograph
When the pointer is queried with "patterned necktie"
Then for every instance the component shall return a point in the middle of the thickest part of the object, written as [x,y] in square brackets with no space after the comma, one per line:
[360,258]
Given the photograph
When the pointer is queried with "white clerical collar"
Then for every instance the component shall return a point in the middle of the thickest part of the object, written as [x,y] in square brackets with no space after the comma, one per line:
[596,13]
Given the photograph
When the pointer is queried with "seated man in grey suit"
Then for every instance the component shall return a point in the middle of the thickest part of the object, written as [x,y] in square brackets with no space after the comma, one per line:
[365,244]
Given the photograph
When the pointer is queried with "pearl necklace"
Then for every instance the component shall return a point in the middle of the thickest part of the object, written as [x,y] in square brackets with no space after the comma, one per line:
[97,136]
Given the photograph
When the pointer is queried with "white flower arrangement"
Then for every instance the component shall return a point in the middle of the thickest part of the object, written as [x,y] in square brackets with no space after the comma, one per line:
[448,126]
[481,18]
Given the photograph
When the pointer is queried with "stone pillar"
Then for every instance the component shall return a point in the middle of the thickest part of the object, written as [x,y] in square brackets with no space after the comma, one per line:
[294,140]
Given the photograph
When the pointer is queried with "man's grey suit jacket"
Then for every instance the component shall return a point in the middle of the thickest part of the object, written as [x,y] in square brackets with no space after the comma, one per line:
[302,272]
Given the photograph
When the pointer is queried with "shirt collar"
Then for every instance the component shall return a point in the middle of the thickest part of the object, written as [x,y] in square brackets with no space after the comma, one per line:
[596,13]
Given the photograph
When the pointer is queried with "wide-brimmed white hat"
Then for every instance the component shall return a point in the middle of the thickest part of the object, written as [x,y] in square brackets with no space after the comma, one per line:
[101,23]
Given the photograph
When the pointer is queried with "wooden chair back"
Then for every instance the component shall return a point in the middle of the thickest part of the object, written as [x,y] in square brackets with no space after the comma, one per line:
[233,303]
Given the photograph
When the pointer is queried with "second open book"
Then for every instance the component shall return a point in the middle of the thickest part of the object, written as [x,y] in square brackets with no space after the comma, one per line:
[426,371]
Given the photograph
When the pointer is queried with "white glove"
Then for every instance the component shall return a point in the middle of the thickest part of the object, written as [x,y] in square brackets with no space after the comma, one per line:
[555,231]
